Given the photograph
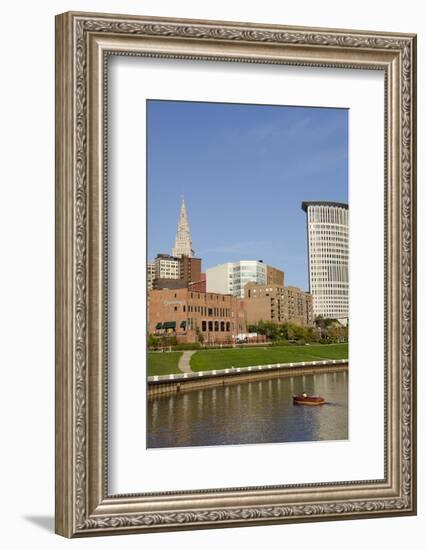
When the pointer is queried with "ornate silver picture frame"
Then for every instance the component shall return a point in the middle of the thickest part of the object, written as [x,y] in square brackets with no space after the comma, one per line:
[84,505]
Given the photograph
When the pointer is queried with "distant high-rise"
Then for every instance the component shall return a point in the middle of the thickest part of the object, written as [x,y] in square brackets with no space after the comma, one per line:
[151,274]
[183,245]
[327,236]
[166,267]
[231,278]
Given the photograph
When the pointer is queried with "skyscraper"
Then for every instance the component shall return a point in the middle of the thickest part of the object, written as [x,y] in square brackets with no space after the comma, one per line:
[183,245]
[327,236]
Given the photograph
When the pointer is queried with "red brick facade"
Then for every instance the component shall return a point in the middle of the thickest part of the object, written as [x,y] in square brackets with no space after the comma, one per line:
[191,316]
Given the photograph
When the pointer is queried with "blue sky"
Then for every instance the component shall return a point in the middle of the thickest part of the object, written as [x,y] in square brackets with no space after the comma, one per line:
[243,171]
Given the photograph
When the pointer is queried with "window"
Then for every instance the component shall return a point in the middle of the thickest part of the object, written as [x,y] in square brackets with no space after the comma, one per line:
[203,326]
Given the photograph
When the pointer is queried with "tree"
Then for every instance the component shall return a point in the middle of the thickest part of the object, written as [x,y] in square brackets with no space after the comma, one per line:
[153,342]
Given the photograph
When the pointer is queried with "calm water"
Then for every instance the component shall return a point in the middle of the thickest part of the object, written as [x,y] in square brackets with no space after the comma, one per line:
[251,412]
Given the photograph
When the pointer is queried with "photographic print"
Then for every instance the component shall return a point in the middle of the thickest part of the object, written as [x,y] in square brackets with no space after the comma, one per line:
[202,255]
[247,274]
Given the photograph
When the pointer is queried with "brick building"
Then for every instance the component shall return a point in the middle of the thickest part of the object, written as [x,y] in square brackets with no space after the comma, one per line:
[264,303]
[278,304]
[174,272]
[275,276]
[299,305]
[195,316]
[160,284]
[190,269]
[200,285]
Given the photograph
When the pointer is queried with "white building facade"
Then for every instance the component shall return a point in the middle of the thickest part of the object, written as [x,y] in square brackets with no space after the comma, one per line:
[231,278]
[167,267]
[327,240]
[151,274]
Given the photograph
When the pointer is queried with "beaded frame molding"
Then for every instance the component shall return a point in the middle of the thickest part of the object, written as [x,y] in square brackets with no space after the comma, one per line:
[83,43]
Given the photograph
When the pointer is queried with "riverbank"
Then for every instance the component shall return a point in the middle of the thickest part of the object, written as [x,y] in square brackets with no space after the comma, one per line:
[173,383]
[164,363]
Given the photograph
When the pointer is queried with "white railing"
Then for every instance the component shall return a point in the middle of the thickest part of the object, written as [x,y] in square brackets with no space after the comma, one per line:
[242,370]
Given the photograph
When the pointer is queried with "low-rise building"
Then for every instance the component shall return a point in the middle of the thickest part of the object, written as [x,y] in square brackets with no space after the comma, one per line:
[277,304]
[204,317]
[299,306]
[264,303]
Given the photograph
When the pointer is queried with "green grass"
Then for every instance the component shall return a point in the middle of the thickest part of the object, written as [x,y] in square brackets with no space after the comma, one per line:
[166,362]
[245,357]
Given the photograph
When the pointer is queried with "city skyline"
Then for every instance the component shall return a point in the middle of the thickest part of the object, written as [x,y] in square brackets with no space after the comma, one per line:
[243,171]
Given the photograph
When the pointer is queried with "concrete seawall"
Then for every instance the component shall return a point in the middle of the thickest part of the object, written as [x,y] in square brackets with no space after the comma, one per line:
[173,383]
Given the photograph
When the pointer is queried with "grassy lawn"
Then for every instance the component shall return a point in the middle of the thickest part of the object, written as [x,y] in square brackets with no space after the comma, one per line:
[166,362]
[245,357]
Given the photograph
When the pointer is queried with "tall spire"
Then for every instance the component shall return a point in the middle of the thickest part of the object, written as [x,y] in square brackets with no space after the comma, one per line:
[183,245]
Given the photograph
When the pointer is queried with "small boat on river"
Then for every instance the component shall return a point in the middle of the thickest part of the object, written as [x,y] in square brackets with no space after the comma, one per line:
[304,399]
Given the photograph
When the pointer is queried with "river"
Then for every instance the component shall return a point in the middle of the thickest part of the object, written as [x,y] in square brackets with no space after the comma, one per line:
[261,411]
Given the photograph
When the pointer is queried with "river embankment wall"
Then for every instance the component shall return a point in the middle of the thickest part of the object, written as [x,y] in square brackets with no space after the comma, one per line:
[174,383]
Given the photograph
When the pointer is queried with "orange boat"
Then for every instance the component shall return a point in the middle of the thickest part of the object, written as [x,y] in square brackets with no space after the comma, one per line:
[305,399]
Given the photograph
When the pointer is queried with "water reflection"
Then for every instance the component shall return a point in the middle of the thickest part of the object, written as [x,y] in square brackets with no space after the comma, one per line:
[251,412]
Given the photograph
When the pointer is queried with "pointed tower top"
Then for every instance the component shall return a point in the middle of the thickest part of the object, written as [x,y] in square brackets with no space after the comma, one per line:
[183,245]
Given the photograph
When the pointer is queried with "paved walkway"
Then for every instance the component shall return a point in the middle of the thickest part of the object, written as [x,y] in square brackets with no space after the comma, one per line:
[184,362]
